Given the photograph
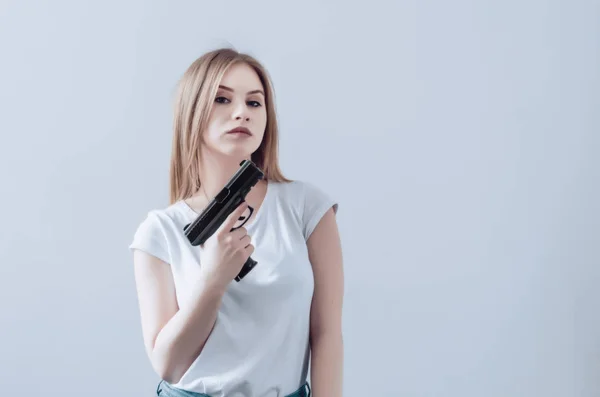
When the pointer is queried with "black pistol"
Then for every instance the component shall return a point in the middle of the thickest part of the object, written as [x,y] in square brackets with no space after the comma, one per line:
[222,205]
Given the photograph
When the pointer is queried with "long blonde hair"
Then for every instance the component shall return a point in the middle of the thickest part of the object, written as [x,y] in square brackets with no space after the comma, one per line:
[194,99]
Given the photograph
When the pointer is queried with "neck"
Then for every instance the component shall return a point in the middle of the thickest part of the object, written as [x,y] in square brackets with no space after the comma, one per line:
[215,172]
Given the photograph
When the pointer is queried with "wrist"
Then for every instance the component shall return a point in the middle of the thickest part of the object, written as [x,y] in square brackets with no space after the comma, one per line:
[210,283]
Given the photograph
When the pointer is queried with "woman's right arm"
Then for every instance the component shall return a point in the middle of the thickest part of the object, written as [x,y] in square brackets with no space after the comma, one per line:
[173,337]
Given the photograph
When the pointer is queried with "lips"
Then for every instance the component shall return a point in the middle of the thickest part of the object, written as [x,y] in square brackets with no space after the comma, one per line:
[238,130]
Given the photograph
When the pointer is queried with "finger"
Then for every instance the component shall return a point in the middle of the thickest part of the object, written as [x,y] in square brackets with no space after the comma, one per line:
[232,218]
[245,241]
[249,250]
[239,233]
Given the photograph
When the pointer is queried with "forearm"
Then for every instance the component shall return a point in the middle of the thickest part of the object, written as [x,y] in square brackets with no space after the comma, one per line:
[327,355]
[182,339]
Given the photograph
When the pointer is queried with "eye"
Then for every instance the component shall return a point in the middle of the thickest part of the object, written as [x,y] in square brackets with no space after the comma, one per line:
[221,99]
[254,103]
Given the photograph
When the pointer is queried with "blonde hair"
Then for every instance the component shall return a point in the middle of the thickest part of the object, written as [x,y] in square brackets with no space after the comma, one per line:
[195,96]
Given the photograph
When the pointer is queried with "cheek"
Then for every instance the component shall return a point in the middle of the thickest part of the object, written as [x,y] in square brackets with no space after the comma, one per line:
[215,122]
[216,115]
[262,117]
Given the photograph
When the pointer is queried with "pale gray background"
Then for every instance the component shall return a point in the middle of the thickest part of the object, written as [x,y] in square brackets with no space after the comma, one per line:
[461,139]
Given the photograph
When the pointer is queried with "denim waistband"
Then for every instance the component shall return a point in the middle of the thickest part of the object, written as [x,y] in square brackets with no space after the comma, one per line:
[164,389]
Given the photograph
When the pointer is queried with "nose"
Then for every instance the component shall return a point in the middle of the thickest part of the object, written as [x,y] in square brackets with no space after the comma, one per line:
[241,112]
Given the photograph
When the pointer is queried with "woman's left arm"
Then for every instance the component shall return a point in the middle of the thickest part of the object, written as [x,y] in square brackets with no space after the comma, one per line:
[327,348]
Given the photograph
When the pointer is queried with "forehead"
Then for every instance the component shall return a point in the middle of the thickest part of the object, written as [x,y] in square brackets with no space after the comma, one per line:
[241,76]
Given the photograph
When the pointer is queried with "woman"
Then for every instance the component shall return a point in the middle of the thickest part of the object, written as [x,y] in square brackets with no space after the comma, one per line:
[205,333]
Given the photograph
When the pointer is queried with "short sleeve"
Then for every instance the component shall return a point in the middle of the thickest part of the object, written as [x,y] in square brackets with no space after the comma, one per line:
[151,238]
[316,203]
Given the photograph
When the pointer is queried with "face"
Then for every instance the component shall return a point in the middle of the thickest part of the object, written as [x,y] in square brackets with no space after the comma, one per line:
[239,103]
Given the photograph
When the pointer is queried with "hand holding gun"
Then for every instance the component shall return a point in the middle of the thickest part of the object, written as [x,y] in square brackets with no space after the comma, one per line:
[222,206]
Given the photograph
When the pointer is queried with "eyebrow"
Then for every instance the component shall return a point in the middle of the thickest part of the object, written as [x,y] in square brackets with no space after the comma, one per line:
[249,92]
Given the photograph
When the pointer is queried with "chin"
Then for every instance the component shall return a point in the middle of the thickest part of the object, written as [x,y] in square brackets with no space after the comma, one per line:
[235,149]
[238,152]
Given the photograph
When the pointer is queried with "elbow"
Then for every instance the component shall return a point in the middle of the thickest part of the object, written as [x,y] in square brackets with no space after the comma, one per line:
[165,372]
[330,329]
[167,368]
[168,374]
[170,379]
[331,334]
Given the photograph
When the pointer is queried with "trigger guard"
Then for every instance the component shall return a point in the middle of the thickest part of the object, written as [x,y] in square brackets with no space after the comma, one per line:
[247,218]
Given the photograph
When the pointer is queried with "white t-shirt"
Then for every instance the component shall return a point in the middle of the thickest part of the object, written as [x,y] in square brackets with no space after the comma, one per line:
[259,345]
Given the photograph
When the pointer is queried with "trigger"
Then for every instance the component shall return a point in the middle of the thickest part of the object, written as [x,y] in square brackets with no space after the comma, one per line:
[241,218]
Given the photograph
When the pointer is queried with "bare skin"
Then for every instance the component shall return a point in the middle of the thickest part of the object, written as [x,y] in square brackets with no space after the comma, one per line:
[239,103]
[174,336]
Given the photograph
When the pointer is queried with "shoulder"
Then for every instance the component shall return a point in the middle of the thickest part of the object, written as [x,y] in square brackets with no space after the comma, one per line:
[302,191]
[160,218]
[309,202]
[156,231]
